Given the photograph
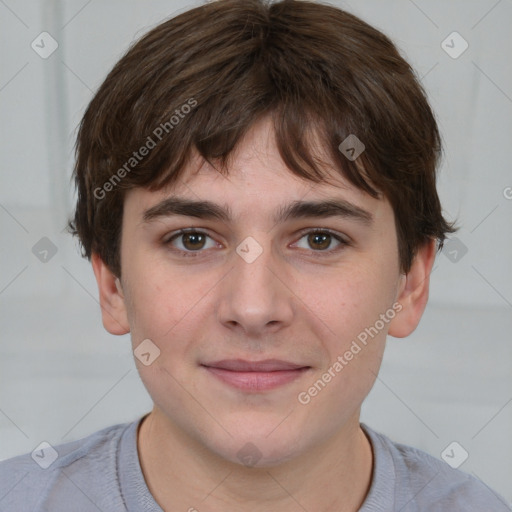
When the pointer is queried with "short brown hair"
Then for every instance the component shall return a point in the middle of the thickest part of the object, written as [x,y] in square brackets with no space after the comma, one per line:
[312,67]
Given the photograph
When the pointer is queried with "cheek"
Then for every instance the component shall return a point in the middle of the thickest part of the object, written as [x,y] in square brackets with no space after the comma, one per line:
[175,311]
[163,297]
[348,301]
[353,336]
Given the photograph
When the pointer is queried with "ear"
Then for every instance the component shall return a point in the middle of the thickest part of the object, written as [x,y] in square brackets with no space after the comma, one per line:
[112,302]
[413,292]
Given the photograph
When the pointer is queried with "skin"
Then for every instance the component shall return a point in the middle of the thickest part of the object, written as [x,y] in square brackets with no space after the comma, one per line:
[287,304]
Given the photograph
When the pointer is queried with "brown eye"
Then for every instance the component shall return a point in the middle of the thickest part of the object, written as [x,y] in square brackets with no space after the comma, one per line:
[319,241]
[190,242]
[322,241]
[193,241]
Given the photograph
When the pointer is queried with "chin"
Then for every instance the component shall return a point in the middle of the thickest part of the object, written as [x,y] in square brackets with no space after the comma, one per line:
[257,449]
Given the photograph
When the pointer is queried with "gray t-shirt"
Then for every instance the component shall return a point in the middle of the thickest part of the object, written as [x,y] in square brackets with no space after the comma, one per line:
[102,473]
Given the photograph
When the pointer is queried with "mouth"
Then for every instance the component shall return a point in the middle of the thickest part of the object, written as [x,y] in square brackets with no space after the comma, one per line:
[255,375]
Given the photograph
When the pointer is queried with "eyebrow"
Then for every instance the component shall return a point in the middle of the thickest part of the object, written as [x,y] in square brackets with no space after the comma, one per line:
[333,207]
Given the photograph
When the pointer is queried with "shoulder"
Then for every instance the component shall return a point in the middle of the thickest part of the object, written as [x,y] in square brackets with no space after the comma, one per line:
[30,481]
[423,482]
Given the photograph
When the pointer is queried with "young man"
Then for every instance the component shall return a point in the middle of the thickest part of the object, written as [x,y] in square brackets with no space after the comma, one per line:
[256,191]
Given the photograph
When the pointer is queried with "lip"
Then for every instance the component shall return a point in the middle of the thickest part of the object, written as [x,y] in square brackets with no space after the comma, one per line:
[266,365]
[255,375]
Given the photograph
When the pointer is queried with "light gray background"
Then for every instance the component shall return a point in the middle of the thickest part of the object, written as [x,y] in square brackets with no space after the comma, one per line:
[63,377]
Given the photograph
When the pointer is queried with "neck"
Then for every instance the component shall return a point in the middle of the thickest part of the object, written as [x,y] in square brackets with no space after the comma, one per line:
[183,475]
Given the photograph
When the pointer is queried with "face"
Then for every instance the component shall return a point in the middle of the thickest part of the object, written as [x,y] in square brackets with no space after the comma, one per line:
[270,315]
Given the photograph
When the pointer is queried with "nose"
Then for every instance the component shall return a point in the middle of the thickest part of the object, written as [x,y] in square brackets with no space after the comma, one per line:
[254,298]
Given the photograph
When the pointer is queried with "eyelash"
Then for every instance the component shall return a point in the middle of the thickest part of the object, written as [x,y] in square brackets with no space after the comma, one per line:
[318,253]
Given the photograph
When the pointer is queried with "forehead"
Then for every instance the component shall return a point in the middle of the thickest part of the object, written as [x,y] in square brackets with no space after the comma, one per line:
[257,180]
